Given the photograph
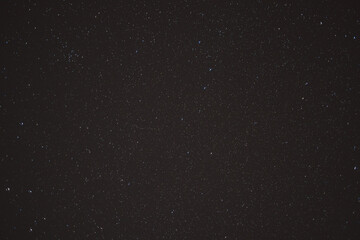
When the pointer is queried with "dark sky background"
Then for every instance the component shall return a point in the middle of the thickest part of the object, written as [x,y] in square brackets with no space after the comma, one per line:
[184,120]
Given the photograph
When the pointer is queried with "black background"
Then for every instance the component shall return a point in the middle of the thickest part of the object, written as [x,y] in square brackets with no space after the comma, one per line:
[183,120]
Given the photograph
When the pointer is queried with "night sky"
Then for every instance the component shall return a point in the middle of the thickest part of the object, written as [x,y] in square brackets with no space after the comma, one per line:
[183,120]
